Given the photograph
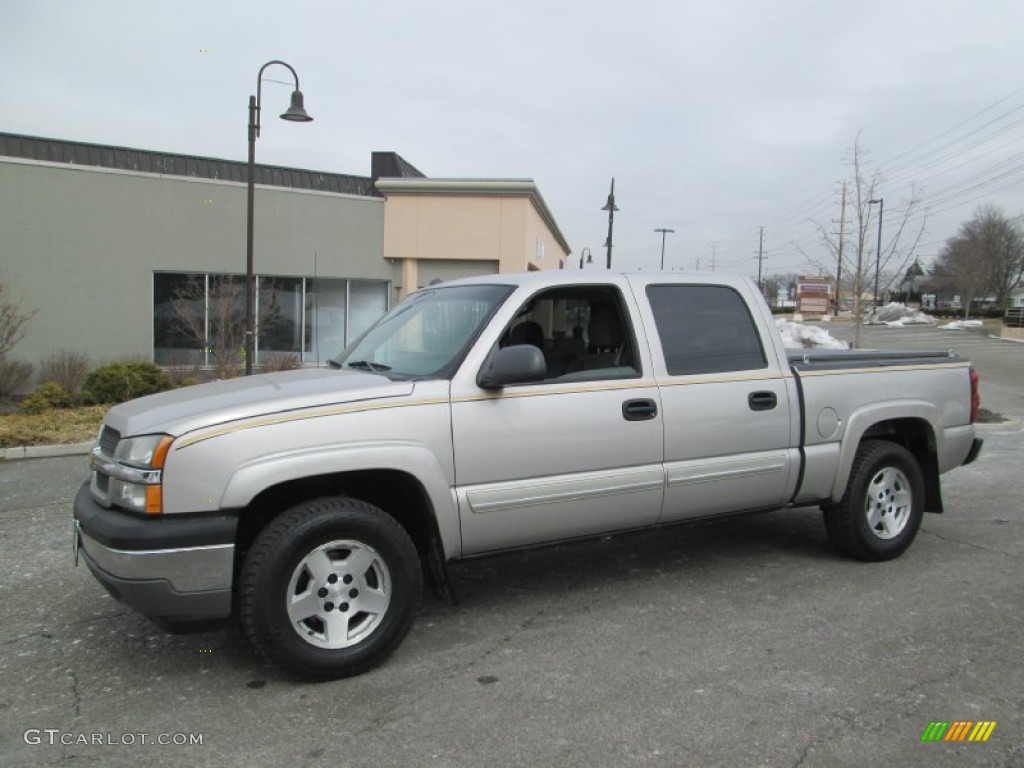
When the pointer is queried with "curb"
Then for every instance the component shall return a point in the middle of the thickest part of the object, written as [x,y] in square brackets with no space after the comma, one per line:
[46,451]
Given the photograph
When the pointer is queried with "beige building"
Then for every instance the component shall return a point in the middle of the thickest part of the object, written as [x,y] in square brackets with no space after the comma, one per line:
[443,229]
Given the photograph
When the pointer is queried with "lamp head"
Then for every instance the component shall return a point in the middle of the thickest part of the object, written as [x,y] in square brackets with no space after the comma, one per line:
[296,111]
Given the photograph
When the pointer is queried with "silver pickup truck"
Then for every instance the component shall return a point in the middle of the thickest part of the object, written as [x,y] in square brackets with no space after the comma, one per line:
[495,413]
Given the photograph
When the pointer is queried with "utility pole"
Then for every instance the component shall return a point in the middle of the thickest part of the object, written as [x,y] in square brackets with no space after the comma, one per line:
[663,233]
[698,263]
[760,259]
[842,236]
[611,208]
[714,251]
[880,202]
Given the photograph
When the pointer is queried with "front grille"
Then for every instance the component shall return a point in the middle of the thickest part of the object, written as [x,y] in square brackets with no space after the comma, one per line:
[109,438]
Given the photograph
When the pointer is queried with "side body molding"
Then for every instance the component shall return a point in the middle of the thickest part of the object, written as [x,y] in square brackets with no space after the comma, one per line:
[257,475]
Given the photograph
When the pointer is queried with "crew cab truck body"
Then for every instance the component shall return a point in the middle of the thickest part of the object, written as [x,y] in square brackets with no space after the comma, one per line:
[495,413]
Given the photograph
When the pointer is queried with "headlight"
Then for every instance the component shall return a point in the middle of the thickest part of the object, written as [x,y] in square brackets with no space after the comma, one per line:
[147,452]
[136,473]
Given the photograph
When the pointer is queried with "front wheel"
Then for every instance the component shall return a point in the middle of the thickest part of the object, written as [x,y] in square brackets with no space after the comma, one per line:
[330,588]
[881,511]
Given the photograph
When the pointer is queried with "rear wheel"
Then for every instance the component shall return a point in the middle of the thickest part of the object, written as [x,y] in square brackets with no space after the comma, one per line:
[882,508]
[329,588]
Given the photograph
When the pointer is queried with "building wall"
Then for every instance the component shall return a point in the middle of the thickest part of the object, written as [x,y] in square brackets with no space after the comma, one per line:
[81,245]
[453,228]
[543,250]
[445,270]
[486,231]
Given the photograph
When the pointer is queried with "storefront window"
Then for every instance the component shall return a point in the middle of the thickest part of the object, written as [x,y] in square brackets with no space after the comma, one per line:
[325,319]
[280,314]
[179,319]
[199,319]
[368,300]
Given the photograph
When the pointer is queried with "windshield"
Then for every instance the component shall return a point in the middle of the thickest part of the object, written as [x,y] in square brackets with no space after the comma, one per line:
[427,335]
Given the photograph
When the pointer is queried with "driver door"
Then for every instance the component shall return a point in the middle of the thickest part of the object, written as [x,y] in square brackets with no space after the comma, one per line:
[575,454]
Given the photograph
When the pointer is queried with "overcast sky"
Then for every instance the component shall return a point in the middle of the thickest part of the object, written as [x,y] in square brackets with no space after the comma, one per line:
[715,118]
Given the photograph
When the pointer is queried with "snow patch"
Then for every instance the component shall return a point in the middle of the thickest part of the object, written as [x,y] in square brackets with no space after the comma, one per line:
[798,336]
[959,325]
[898,315]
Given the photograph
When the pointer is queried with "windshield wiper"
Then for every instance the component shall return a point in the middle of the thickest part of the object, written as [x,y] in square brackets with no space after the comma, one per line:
[366,365]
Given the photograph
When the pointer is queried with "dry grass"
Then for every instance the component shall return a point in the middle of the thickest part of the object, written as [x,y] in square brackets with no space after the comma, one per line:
[64,425]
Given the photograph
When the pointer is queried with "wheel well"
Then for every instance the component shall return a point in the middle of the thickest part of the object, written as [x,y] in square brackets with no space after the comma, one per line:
[916,436]
[398,493]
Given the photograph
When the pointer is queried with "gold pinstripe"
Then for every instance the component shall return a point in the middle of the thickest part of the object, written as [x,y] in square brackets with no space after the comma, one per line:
[362,407]
[568,389]
[560,390]
[774,376]
[314,414]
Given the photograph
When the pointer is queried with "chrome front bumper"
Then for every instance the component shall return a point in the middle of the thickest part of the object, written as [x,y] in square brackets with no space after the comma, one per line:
[191,569]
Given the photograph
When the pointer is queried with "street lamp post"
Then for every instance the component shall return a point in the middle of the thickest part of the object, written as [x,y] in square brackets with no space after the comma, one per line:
[295,113]
[611,208]
[586,252]
[663,233]
[878,251]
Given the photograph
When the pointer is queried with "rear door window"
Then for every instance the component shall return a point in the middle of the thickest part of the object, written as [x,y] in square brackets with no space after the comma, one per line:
[705,329]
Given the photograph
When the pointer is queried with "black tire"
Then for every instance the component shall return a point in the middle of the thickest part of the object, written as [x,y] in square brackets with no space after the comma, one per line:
[348,565]
[882,508]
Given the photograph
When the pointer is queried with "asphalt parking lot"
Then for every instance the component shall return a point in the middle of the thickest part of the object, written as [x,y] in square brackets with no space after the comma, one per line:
[746,642]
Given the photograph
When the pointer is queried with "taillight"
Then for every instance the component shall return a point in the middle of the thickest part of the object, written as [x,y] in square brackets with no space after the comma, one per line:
[975,396]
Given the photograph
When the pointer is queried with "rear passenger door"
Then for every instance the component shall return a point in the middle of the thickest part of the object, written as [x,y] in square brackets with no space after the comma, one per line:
[725,400]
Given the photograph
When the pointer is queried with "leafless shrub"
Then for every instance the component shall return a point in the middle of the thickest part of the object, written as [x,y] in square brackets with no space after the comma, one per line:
[279,361]
[65,368]
[183,372]
[14,376]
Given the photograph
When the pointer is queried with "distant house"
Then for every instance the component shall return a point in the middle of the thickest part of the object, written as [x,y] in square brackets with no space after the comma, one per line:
[1017,297]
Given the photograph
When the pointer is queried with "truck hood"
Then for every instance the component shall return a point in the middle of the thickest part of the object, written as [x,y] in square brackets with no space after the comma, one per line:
[203,405]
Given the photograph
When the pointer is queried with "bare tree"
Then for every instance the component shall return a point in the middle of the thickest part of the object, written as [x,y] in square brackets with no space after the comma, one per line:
[960,264]
[985,256]
[900,236]
[213,319]
[14,317]
[777,282]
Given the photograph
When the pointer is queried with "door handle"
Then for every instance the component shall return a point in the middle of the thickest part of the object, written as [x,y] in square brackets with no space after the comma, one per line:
[639,410]
[762,401]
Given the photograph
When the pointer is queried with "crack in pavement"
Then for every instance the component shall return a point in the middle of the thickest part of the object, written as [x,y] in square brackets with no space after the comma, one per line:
[909,709]
[76,698]
[968,544]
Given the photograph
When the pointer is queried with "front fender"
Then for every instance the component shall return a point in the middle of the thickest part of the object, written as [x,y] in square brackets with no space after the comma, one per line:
[862,420]
[257,475]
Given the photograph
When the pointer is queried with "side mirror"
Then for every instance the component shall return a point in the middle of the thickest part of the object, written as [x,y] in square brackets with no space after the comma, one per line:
[517,364]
